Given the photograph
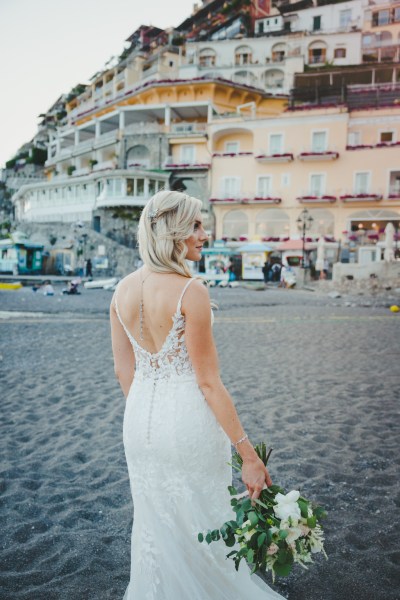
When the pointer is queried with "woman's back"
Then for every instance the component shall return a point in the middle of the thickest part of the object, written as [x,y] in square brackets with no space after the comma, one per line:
[160,293]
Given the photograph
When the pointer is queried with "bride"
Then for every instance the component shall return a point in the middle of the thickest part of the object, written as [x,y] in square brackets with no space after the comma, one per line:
[179,419]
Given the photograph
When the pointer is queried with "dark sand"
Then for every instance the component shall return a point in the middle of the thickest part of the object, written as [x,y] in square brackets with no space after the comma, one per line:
[317,380]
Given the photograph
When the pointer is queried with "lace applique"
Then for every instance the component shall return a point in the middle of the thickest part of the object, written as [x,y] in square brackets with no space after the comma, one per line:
[172,359]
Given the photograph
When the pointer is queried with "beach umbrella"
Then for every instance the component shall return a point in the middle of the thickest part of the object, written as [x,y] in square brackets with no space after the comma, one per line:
[389,242]
[319,264]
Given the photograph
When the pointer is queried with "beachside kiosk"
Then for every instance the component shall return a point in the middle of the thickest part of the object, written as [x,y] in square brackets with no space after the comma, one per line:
[20,256]
[254,256]
[216,261]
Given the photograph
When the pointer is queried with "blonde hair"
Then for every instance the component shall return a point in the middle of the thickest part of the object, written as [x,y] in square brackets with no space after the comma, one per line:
[166,222]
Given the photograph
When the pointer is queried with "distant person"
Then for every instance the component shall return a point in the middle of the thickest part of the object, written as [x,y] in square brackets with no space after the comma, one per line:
[266,270]
[276,272]
[48,289]
[89,272]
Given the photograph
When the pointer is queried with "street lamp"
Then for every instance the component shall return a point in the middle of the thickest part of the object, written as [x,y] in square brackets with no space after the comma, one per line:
[304,223]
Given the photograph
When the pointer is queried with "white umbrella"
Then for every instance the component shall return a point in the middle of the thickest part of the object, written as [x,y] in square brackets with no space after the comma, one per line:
[319,263]
[389,242]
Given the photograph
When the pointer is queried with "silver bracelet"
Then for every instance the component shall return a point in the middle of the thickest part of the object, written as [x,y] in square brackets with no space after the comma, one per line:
[243,439]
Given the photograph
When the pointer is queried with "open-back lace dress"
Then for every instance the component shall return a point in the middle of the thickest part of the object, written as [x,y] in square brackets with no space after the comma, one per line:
[177,456]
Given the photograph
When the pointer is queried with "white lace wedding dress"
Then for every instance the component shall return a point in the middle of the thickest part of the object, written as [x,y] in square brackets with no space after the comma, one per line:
[177,456]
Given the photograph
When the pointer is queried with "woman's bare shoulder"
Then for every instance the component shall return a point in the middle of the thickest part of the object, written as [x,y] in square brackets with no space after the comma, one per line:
[196,296]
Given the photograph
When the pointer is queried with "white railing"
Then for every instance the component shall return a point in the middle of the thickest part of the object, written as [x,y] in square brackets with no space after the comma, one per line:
[183,128]
[106,138]
[82,147]
[105,164]
[142,127]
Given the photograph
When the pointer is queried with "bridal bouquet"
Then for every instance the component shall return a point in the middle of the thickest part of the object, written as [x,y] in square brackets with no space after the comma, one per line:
[275,531]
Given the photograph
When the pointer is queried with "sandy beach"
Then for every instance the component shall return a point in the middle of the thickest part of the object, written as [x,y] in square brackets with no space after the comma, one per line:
[316,378]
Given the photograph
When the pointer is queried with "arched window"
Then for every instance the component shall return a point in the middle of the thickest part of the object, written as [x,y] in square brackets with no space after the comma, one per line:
[317,53]
[272,222]
[243,55]
[245,77]
[207,57]
[273,78]
[138,156]
[235,224]
[278,52]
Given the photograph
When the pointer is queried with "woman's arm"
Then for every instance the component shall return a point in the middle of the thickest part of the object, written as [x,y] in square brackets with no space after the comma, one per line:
[203,354]
[124,358]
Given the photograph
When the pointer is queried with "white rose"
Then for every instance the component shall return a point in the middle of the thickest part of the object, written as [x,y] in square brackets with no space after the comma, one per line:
[287,505]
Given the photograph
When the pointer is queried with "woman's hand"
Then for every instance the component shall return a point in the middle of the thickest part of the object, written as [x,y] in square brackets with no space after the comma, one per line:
[255,476]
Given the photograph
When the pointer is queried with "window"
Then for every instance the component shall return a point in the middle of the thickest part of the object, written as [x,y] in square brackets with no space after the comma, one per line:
[386,137]
[139,187]
[381,17]
[206,61]
[264,187]
[396,14]
[188,153]
[278,56]
[152,187]
[230,187]
[261,27]
[276,143]
[339,53]
[354,138]
[319,141]
[316,55]
[345,18]
[130,187]
[232,147]
[316,23]
[361,183]
[317,184]
[394,182]
[243,55]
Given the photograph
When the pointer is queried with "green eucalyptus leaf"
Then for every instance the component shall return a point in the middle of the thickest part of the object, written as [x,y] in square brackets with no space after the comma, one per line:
[282,570]
[261,539]
[200,537]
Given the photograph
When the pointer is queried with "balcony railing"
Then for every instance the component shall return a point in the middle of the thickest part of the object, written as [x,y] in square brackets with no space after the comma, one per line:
[275,158]
[316,199]
[243,198]
[185,128]
[104,165]
[361,197]
[105,139]
[317,156]
[176,166]
[231,154]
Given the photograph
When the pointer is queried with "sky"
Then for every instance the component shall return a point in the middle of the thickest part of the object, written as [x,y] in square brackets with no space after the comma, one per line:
[48,46]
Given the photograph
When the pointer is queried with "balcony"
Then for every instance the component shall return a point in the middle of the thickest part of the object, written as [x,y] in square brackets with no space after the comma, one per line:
[316,199]
[230,154]
[189,166]
[318,156]
[275,158]
[83,147]
[106,139]
[105,165]
[80,172]
[188,128]
[361,197]
[266,200]
[245,199]
[104,200]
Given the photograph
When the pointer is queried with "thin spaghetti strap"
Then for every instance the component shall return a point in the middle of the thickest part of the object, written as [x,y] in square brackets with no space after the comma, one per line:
[178,308]
[117,310]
